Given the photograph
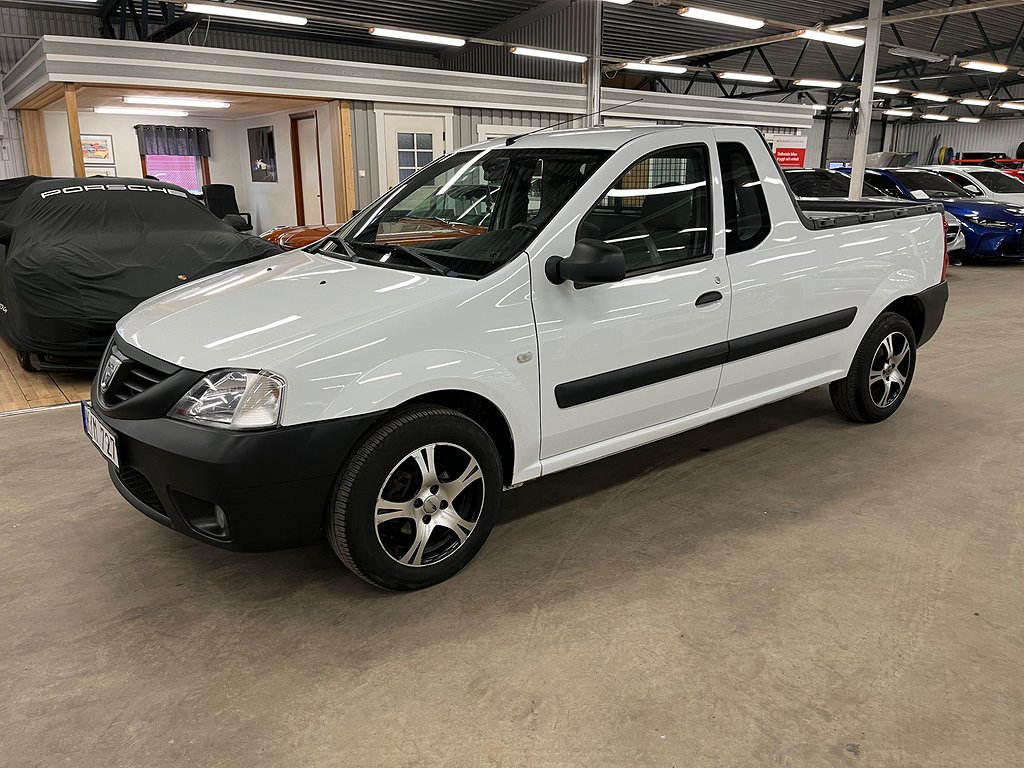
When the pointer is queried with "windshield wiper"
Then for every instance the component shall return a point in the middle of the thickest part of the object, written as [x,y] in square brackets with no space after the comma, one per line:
[317,247]
[426,261]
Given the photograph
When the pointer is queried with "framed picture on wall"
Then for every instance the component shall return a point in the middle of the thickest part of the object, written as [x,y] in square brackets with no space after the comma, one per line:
[97,149]
[108,171]
[262,154]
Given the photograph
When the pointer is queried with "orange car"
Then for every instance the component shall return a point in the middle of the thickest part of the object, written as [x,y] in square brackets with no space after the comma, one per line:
[408,232]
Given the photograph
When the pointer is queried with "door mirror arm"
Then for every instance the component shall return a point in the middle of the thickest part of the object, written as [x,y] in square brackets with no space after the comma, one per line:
[591,262]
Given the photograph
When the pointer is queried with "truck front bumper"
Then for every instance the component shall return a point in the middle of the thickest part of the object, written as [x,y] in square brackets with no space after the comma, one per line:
[257,490]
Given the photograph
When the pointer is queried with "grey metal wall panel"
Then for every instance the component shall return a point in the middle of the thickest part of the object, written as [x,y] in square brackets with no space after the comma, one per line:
[468,119]
[991,136]
[364,141]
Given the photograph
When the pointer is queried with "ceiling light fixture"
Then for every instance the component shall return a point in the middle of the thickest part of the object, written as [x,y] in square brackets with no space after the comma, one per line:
[848,109]
[1011,105]
[748,76]
[886,89]
[417,37]
[968,119]
[576,58]
[234,12]
[847,27]
[619,2]
[933,116]
[924,95]
[642,66]
[984,66]
[911,53]
[831,37]
[809,82]
[718,17]
[168,101]
[972,102]
[140,111]
[818,107]
[898,113]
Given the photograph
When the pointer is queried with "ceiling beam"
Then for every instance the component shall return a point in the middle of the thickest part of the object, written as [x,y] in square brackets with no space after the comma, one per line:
[513,25]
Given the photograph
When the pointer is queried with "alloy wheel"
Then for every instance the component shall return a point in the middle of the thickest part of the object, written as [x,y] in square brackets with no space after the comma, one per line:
[890,369]
[429,504]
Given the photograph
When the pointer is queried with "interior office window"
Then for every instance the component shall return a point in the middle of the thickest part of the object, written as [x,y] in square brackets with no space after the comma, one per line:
[746,211]
[657,212]
[185,171]
[415,151]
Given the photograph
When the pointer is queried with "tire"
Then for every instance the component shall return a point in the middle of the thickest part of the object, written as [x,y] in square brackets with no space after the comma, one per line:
[25,360]
[404,513]
[885,359]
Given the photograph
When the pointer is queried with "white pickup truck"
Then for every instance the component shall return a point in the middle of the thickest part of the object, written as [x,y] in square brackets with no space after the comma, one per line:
[514,309]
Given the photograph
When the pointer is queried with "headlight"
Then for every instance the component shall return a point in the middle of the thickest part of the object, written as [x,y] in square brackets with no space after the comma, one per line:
[233,400]
[981,221]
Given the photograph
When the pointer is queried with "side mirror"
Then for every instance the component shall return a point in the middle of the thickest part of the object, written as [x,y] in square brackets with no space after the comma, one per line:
[591,262]
[6,232]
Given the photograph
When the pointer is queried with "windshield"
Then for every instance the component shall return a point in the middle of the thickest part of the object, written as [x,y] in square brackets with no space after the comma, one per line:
[467,214]
[924,184]
[1000,182]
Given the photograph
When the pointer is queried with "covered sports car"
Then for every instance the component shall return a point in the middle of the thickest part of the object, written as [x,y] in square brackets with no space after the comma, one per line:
[77,254]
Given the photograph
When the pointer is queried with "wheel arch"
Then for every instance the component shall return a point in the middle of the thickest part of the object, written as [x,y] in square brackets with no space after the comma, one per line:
[483,412]
[912,308]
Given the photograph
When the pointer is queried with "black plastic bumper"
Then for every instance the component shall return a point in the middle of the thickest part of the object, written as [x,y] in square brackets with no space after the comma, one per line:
[934,302]
[272,486]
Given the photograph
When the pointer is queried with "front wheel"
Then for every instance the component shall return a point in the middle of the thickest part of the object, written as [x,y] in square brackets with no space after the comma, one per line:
[416,500]
[881,371]
[27,361]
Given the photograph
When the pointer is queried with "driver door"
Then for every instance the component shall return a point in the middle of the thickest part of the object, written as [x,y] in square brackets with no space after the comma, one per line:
[619,357]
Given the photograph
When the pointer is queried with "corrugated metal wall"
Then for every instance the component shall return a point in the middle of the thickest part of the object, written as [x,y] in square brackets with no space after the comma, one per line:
[840,142]
[467,120]
[991,136]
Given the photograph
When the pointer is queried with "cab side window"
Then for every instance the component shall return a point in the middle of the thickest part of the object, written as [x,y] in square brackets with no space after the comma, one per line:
[657,212]
[746,211]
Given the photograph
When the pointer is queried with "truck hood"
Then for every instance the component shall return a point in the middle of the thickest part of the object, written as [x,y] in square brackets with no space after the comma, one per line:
[270,312]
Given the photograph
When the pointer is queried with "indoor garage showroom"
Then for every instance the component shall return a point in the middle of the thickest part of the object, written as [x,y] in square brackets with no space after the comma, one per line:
[512,383]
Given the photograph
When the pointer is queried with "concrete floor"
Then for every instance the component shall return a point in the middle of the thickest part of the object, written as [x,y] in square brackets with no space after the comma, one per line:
[782,588]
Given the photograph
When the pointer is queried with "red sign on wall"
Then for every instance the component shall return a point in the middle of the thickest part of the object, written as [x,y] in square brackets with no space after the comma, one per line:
[791,157]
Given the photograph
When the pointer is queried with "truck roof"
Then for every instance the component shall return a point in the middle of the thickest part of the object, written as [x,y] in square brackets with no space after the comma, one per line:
[610,138]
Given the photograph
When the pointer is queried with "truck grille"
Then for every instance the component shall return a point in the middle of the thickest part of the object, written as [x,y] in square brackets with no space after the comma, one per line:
[139,487]
[131,379]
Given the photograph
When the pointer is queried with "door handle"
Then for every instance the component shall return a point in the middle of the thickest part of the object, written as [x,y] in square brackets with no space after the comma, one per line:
[708,298]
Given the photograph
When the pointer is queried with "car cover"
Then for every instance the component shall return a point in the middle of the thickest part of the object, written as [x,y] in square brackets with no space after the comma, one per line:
[85,252]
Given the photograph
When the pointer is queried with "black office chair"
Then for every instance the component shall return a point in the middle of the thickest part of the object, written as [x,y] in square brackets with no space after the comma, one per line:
[220,199]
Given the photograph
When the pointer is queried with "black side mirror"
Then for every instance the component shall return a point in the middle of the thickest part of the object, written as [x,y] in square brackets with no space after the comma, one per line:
[591,262]
[6,232]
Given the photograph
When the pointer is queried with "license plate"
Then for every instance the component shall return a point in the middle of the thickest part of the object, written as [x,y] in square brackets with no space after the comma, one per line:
[102,437]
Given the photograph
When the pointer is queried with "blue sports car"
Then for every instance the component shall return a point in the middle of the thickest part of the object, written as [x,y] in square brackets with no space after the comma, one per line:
[992,230]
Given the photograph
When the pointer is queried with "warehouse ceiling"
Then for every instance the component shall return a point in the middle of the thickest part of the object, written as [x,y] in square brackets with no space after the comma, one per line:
[652,28]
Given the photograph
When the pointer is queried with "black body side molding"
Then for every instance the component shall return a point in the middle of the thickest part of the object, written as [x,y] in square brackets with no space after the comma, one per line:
[622,380]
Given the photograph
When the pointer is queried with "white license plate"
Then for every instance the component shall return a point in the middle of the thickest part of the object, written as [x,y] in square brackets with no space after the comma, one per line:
[103,438]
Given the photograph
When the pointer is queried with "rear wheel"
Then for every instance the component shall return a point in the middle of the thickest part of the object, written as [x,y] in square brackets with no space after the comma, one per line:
[881,371]
[27,361]
[416,500]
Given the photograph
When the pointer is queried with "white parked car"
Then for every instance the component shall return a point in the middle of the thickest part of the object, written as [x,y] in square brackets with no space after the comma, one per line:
[383,386]
[989,183]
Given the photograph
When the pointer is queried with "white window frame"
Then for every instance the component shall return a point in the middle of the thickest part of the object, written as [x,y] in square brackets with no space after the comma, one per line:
[382,110]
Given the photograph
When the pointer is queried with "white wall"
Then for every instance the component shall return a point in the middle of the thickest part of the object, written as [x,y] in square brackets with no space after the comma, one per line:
[224,145]
[273,203]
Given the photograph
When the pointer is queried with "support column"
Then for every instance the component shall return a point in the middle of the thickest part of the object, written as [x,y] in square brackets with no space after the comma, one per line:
[867,88]
[826,137]
[74,130]
[593,65]
[344,162]
[37,151]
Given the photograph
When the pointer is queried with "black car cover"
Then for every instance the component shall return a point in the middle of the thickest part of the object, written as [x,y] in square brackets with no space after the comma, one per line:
[85,252]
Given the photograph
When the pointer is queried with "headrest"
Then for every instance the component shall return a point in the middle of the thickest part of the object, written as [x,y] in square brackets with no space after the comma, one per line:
[672,210]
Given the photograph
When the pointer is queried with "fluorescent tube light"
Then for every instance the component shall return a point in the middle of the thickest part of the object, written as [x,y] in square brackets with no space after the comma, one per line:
[847,27]
[641,66]
[809,82]
[140,111]
[619,2]
[168,101]
[234,12]
[1011,105]
[925,96]
[748,76]
[898,113]
[418,37]
[848,109]
[576,58]
[933,116]
[831,37]
[718,17]
[911,53]
[984,66]
[972,102]
[968,119]
[818,107]
[885,89]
